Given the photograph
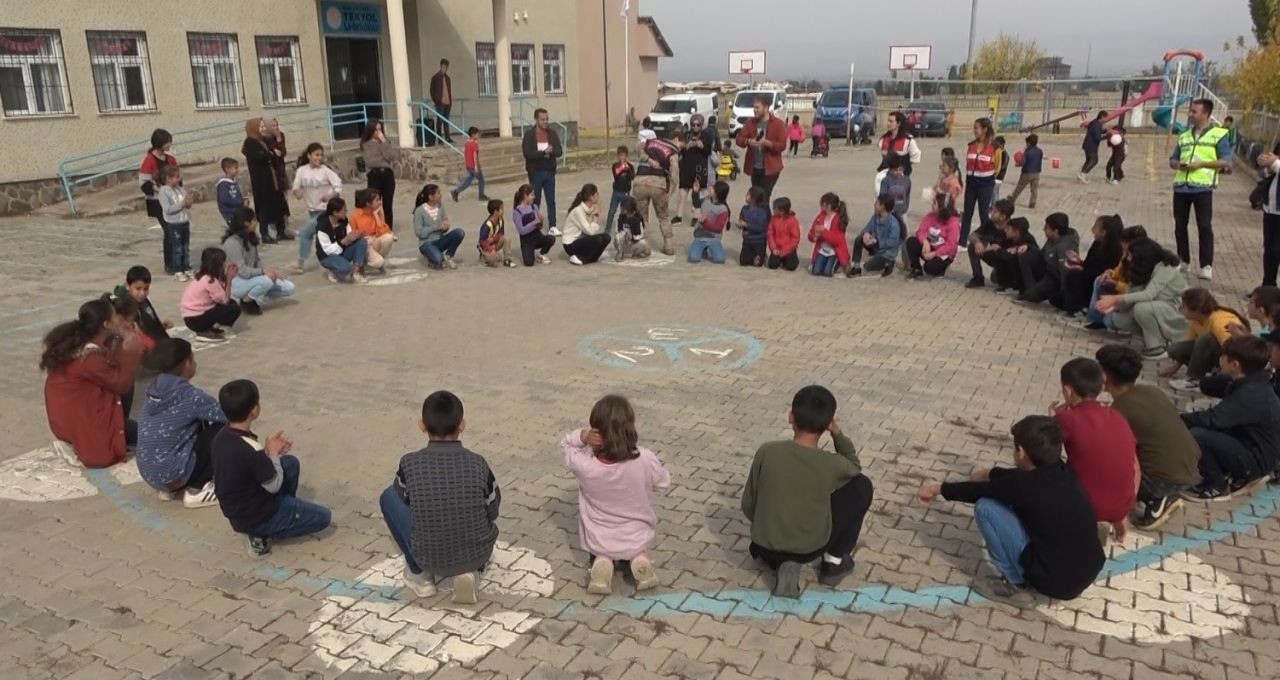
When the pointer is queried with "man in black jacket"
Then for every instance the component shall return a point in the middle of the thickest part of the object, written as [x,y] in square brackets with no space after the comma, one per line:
[1093,136]
[541,147]
[1239,437]
[441,100]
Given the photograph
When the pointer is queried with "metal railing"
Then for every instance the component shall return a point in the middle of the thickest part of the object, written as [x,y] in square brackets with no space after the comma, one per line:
[426,112]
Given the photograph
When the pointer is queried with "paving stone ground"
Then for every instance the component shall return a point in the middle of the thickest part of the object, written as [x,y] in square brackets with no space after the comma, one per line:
[104,581]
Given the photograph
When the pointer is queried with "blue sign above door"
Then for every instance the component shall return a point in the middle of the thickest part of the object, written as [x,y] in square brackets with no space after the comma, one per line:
[345,18]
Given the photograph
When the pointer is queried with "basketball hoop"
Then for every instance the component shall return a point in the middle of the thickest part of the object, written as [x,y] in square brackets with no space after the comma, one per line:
[909,62]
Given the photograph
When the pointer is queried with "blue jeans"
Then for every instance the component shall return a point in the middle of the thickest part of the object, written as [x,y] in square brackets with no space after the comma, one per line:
[260,288]
[711,247]
[353,255]
[395,512]
[614,202]
[1005,536]
[294,517]
[435,251]
[544,184]
[477,175]
[307,237]
[180,246]
[825,265]
[1093,315]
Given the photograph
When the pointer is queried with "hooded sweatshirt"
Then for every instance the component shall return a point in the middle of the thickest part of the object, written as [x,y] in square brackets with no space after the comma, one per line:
[171,418]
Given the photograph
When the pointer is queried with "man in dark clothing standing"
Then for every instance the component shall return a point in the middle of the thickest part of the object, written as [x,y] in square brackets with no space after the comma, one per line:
[1093,136]
[441,99]
[541,147]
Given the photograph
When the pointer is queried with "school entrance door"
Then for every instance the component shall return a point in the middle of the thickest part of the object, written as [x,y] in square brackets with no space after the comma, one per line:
[353,79]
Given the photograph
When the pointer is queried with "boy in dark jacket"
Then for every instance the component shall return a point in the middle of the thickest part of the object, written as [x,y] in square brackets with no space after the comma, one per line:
[137,285]
[1032,163]
[229,198]
[442,507]
[1046,274]
[623,174]
[987,239]
[1035,518]
[1239,437]
[881,238]
[753,219]
[1005,256]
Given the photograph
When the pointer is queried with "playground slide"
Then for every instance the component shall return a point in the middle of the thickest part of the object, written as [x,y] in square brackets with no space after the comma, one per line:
[1155,91]
[1078,112]
[1162,116]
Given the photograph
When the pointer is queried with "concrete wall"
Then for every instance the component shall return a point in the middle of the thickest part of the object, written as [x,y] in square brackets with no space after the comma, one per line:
[33,146]
[643,81]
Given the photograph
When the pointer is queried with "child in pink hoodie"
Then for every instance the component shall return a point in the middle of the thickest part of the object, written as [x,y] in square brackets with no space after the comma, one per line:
[617,479]
[206,303]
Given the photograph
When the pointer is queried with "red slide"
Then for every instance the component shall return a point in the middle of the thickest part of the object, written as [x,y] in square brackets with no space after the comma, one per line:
[1155,91]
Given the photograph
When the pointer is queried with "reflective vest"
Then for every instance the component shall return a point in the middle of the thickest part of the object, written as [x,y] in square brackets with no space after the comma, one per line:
[981,162]
[1204,149]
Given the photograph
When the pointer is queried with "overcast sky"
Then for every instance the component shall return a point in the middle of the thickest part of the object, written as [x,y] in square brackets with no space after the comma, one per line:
[818,38]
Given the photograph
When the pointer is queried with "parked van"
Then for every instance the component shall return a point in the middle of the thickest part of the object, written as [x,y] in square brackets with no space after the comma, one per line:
[832,108]
[744,103]
[679,108]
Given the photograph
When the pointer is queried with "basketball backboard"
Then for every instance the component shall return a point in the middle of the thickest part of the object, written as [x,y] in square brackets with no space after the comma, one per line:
[910,57]
[747,63]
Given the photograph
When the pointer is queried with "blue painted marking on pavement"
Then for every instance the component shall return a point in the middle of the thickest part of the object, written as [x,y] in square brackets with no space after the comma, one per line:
[629,346]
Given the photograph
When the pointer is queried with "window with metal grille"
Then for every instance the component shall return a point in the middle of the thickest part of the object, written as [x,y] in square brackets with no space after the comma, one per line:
[553,69]
[522,70]
[33,73]
[486,70]
[280,69]
[215,70]
[121,72]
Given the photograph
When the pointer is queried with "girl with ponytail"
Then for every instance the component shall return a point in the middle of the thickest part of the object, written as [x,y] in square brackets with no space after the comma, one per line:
[827,233]
[91,363]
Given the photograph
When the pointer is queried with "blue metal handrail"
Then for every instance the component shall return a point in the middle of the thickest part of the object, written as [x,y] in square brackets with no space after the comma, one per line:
[425,110]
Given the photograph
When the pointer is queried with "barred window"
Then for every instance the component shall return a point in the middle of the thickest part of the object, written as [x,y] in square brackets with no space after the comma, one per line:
[486,70]
[215,70]
[33,73]
[121,72]
[280,69]
[522,70]
[553,69]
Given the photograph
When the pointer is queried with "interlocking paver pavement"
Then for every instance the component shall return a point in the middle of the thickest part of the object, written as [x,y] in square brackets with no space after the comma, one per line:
[104,581]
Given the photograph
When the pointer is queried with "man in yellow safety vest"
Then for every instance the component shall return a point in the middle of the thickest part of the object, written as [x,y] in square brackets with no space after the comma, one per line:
[1203,151]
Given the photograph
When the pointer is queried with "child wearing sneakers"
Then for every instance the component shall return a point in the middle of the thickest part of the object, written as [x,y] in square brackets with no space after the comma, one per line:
[881,239]
[533,241]
[493,245]
[442,507]
[177,427]
[257,481]
[630,239]
[617,479]
[174,203]
[805,503]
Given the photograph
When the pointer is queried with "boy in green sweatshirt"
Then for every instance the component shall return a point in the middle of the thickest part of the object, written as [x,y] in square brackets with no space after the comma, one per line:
[794,491]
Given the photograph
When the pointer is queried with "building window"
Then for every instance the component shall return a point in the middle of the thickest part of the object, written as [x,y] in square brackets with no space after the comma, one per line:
[553,69]
[486,70]
[121,74]
[33,73]
[215,70]
[522,70]
[280,69]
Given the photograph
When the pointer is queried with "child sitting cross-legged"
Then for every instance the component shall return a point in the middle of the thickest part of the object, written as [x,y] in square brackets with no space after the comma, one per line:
[1036,520]
[881,238]
[257,481]
[617,479]
[253,284]
[805,503]
[493,245]
[177,427]
[442,507]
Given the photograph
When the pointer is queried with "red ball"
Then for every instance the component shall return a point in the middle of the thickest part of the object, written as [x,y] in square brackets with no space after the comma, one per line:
[1017,158]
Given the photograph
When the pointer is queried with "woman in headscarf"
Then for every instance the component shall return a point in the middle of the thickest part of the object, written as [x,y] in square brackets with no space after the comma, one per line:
[268,199]
[275,141]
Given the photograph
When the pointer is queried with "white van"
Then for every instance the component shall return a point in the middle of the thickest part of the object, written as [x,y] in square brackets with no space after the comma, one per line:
[679,108]
[744,103]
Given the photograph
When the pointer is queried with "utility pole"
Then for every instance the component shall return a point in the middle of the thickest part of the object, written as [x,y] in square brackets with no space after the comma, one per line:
[973,32]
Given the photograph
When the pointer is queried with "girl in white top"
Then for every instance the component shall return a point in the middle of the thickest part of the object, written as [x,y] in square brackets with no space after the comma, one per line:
[583,238]
[315,183]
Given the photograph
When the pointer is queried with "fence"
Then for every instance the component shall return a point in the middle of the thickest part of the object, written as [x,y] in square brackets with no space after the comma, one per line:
[1258,131]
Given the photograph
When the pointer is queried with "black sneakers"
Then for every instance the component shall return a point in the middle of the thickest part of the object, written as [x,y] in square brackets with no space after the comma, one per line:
[1157,513]
[1204,493]
[887,271]
[975,283]
[831,575]
[855,270]
[259,546]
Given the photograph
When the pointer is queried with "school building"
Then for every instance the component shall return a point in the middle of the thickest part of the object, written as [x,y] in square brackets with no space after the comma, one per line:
[80,76]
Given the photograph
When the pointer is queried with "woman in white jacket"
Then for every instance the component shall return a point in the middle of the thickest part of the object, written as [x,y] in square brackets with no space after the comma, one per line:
[315,183]
[584,239]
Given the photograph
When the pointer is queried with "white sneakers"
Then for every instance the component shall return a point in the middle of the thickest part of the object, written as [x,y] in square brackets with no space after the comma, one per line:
[420,584]
[200,498]
[573,259]
[1206,273]
[543,259]
[1083,179]
[1185,385]
[601,582]
[554,231]
[333,278]
[166,495]
[66,452]
[464,588]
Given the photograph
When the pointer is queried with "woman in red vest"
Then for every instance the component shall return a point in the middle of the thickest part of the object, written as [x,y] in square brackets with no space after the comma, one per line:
[897,141]
[982,164]
[91,363]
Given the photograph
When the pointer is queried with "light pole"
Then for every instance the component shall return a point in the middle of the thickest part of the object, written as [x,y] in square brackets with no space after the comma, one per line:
[973,31]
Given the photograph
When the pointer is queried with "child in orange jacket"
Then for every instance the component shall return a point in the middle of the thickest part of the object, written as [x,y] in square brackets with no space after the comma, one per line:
[784,236]
[368,219]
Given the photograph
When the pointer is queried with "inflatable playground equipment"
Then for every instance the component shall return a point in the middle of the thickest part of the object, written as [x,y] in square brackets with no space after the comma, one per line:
[1160,103]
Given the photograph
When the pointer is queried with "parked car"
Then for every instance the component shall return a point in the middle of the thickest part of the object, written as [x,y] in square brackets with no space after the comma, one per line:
[679,108]
[927,119]
[832,108]
[744,103]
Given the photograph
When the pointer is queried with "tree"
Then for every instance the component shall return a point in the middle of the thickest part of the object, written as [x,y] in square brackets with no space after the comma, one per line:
[1007,57]
[1255,77]
[1263,13]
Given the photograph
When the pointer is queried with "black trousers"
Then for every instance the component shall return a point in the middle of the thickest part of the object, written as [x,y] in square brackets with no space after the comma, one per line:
[915,259]
[788,262]
[222,315]
[765,182]
[1090,161]
[753,254]
[532,242]
[1076,290]
[1202,201]
[1270,248]
[1115,167]
[1005,270]
[849,505]
[588,248]
[979,192]
[383,180]
[202,473]
[795,147]
[1038,283]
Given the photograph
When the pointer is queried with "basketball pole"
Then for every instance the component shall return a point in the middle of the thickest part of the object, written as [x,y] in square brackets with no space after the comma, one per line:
[848,123]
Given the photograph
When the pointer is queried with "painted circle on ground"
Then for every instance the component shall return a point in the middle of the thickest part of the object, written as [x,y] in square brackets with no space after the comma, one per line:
[672,347]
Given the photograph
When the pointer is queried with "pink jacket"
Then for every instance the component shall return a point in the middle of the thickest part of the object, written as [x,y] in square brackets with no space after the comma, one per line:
[795,132]
[616,519]
[950,232]
[201,295]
